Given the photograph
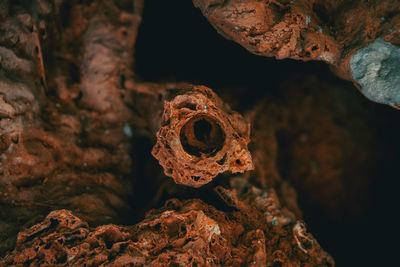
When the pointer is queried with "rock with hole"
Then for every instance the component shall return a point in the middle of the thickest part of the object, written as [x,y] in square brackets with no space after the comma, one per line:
[200,137]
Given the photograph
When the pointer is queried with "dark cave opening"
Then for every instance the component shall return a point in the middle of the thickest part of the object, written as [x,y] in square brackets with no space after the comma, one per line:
[202,135]
[202,130]
[176,43]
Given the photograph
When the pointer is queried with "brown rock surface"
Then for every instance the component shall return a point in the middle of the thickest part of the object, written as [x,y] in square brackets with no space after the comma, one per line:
[200,137]
[63,69]
[329,31]
[77,128]
[256,232]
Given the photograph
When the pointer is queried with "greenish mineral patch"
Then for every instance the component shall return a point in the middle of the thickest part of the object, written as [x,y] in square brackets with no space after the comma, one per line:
[377,69]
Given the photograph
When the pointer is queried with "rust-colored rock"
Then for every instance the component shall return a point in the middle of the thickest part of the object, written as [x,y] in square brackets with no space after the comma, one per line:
[256,232]
[77,128]
[200,137]
[63,69]
[346,34]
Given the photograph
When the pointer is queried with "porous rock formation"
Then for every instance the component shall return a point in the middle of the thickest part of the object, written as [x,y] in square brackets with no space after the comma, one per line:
[71,112]
[200,137]
[330,31]
[255,232]
[63,70]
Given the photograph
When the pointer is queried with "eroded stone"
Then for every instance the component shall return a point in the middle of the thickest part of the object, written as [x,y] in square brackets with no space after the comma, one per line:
[200,137]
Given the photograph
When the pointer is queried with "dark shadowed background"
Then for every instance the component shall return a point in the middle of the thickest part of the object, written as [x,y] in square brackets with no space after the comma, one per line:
[176,43]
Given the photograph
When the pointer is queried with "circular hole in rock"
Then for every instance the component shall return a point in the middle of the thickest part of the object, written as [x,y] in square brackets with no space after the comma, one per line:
[202,135]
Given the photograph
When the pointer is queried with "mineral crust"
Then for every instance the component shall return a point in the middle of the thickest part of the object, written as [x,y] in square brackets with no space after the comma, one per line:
[77,127]
[63,69]
[254,231]
[329,31]
[200,137]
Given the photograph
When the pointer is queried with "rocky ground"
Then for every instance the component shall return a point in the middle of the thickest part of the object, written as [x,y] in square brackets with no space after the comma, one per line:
[257,161]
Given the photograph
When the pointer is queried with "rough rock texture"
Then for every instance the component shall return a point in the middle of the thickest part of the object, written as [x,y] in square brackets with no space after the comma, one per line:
[200,137]
[255,232]
[77,128]
[377,69]
[63,69]
[331,31]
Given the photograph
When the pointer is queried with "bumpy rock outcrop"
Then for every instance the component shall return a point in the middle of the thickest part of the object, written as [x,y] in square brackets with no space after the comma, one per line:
[63,70]
[200,137]
[331,31]
[255,232]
